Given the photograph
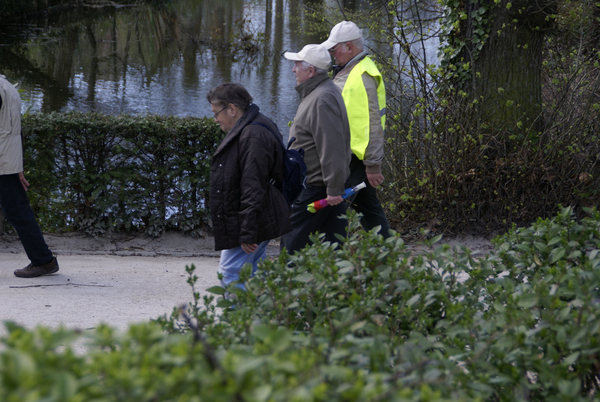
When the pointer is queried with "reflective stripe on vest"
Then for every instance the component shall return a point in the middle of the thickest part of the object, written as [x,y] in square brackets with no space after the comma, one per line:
[357,104]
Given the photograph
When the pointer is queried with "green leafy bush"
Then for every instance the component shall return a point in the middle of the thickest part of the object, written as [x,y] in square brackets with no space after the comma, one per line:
[520,324]
[98,173]
[360,320]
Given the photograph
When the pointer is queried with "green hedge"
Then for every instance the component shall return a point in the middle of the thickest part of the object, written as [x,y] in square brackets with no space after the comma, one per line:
[363,320]
[97,173]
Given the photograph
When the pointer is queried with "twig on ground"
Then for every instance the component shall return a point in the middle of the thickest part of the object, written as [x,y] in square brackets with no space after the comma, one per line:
[59,284]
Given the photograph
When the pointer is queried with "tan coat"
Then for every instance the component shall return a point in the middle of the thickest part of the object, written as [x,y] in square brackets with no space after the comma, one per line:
[11,148]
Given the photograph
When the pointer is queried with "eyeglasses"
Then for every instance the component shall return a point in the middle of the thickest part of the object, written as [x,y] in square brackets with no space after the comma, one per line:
[336,47]
[216,114]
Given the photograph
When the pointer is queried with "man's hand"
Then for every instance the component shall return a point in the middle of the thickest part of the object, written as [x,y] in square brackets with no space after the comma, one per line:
[334,199]
[375,179]
[249,248]
[24,181]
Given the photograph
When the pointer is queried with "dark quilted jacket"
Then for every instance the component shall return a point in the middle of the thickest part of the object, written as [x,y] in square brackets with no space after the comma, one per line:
[244,206]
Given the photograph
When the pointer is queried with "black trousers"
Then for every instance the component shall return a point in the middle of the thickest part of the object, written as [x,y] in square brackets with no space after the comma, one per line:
[326,220]
[16,208]
[366,201]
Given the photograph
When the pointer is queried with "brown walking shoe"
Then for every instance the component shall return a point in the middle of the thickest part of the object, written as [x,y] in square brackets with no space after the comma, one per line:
[33,271]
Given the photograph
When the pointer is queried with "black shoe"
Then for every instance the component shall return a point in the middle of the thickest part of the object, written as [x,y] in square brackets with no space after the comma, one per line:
[33,271]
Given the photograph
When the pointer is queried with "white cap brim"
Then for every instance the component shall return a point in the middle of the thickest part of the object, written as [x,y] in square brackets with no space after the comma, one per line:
[328,44]
[292,56]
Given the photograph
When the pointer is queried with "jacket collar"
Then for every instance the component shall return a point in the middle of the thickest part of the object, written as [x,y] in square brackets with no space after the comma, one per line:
[246,119]
[310,84]
[355,59]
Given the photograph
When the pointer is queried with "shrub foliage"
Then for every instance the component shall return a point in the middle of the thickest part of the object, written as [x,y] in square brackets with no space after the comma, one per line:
[96,173]
[359,320]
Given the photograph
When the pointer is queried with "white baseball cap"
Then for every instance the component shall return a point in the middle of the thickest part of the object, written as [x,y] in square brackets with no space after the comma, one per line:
[315,55]
[345,31]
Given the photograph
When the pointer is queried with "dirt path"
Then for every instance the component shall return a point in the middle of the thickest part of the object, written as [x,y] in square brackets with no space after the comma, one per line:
[118,280]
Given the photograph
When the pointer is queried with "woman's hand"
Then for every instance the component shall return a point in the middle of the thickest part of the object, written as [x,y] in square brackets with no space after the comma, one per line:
[249,248]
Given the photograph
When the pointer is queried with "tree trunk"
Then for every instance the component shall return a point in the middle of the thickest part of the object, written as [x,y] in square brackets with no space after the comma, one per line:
[506,74]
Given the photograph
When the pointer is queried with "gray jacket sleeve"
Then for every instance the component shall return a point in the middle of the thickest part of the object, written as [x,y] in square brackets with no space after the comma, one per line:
[374,152]
[332,135]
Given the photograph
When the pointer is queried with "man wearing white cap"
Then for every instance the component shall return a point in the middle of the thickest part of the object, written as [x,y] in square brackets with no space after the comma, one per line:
[363,91]
[321,130]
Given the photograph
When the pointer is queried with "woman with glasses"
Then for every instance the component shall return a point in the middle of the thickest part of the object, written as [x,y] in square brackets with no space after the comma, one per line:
[247,210]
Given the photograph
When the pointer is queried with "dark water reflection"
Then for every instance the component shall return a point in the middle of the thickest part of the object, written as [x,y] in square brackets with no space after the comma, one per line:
[159,60]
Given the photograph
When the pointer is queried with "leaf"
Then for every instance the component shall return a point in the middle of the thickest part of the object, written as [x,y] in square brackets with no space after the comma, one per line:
[555,240]
[478,386]
[305,277]
[249,364]
[382,255]
[402,285]
[413,300]
[224,303]
[281,339]
[344,264]
[500,379]
[571,359]
[217,290]
[64,387]
[527,300]
[262,393]
[432,375]
[436,239]
[557,254]
[358,325]
[346,270]
[569,388]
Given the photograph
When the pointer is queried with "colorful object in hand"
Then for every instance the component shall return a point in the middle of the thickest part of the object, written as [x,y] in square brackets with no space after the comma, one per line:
[315,206]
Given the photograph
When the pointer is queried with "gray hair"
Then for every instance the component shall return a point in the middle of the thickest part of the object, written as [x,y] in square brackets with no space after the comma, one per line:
[306,65]
[359,43]
[228,93]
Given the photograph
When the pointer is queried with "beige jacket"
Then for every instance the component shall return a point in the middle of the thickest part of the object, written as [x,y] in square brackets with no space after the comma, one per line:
[11,147]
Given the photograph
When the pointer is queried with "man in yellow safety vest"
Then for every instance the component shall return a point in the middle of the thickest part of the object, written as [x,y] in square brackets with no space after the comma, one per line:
[363,90]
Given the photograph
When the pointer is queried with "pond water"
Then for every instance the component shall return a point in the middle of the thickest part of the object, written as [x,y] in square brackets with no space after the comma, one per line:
[157,59]
[160,59]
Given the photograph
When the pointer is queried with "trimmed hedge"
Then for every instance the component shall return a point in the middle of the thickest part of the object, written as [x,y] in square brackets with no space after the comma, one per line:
[98,173]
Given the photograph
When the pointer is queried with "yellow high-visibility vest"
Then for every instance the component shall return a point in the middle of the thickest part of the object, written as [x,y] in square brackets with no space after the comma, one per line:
[357,104]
